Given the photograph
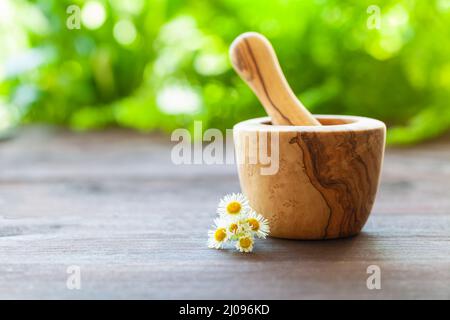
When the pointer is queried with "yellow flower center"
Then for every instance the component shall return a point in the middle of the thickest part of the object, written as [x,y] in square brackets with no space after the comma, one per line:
[254,224]
[233,227]
[234,207]
[220,234]
[245,242]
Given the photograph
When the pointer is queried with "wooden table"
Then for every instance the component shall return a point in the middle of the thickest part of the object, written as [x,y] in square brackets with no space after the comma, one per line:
[113,204]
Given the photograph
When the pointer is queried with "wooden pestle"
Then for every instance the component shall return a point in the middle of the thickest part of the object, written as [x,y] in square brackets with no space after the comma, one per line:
[254,59]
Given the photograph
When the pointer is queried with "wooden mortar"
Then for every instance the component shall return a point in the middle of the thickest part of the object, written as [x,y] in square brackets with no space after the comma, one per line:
[327,176]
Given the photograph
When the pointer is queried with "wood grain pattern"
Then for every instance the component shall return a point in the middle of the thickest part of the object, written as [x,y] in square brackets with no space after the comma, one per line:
[254,59]
[327,181]
[113,203]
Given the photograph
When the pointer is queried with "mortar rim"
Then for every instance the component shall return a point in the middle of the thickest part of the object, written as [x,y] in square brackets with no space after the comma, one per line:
[358,124]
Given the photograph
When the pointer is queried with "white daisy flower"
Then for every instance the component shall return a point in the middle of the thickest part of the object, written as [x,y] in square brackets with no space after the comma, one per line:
[218,235]
[245,243]
[236,227]
[234,204]
[233,228]
[259,225]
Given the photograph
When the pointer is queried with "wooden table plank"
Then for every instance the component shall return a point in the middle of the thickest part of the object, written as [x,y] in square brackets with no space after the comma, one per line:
[113,204]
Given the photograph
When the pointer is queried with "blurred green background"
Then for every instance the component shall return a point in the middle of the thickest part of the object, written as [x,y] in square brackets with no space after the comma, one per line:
[160,64]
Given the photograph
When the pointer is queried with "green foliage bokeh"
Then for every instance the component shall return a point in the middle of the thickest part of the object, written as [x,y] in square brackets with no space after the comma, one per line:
[160,64]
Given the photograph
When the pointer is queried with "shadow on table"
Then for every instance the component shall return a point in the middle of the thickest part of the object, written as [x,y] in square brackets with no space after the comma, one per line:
[365,246]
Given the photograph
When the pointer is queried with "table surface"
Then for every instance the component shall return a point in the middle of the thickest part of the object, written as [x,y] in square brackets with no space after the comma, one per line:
[113,204]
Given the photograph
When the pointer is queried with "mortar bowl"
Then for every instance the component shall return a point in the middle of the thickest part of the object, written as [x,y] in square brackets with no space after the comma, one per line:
[311,182]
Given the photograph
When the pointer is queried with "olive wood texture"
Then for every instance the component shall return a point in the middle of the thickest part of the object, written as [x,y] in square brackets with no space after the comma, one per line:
[327,176]
[254,59]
